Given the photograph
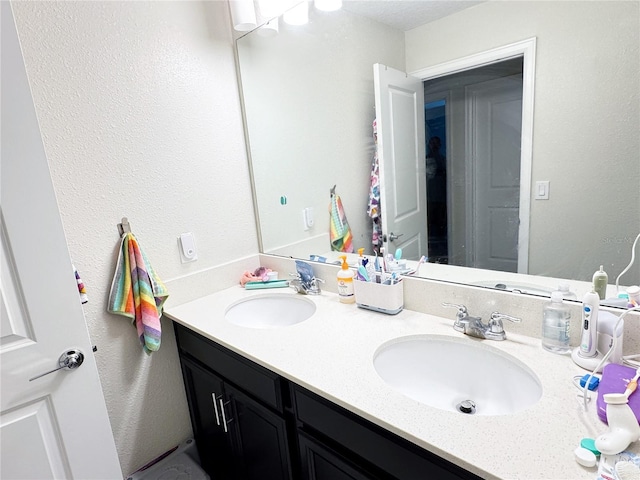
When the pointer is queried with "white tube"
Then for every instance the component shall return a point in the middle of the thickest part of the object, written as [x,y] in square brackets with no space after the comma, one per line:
[633,258]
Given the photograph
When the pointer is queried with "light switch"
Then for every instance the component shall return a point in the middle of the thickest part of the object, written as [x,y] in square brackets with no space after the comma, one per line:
[307,217]
[542,190]
[188,251]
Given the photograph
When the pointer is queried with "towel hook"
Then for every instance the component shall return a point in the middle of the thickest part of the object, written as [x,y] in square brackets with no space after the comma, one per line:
[124,227]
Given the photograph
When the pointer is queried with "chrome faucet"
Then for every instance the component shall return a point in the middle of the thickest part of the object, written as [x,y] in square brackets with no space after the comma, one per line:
[308,287]
[473,326]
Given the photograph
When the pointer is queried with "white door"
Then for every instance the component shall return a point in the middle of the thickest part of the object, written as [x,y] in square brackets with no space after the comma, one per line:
[401,152]
[495,131]
[55,426]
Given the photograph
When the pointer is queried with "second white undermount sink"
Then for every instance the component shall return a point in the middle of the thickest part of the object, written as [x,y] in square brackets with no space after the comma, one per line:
[457,374]
[270,311]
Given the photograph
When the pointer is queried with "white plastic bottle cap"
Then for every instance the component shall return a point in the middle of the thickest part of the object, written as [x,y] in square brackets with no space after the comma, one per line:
[556,296]
[634,293]
[585,457]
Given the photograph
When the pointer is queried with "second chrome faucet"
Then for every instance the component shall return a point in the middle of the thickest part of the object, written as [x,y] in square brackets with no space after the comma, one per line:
[474,326]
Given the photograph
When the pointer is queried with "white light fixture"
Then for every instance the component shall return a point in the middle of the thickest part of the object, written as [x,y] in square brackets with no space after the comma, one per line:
[270,8]
[243,15]
[269,29]
[328,5]
[298,15]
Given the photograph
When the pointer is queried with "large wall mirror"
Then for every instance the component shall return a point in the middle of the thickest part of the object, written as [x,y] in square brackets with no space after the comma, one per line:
[309,100]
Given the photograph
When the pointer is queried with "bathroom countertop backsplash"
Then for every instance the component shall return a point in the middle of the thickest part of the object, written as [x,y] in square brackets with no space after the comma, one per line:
[332,353]
[426,296]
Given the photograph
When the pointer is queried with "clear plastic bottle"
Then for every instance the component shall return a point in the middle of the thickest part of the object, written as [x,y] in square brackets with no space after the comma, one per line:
[555,325]
[567,294]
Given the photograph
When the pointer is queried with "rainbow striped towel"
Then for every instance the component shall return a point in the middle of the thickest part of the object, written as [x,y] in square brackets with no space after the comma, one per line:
[339,231]
[138,293]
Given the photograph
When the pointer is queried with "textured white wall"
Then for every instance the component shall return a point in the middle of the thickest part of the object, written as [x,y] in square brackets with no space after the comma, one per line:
[587,118]
[139,110]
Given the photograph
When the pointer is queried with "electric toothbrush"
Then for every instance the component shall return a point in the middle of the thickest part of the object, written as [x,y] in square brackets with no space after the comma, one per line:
[589,342]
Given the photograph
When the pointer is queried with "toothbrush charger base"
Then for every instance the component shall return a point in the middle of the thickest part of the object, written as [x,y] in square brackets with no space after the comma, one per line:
[588,363]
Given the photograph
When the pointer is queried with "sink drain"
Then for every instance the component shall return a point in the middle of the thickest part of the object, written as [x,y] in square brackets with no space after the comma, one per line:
[467,406]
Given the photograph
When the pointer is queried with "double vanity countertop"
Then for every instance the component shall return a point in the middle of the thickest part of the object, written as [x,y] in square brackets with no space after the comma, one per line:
[332,353]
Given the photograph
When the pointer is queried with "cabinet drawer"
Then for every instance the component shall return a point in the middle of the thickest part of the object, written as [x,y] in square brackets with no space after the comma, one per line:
[319,462]
[245,374]
[390,453]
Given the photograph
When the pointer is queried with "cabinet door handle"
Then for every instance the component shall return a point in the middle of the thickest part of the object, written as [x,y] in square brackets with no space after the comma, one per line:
[215,407]
[225,422]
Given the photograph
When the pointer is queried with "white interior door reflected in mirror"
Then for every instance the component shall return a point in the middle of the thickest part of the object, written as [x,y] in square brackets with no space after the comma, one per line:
[495,129]
[401,154]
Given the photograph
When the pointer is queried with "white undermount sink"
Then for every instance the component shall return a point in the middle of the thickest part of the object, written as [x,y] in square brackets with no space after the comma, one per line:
[270,311]
[457,374]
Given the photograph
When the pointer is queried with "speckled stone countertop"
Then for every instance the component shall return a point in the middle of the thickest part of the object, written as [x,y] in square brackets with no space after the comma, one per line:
[332,354]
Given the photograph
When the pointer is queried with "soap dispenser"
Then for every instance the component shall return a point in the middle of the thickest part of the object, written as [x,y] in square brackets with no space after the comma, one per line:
[345,282]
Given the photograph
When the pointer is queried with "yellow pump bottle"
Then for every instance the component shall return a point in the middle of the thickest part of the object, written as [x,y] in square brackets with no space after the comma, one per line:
[345,282]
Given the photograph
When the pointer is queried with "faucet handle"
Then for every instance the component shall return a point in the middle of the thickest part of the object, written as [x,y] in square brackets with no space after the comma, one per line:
[504,316]
[462,310]
[495,323]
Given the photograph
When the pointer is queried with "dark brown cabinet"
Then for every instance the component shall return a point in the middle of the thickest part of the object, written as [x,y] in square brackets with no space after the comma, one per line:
[250,424]
[239,436]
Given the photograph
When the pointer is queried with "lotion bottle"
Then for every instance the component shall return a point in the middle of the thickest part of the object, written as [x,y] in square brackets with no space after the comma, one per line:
[345,282]
[600,281]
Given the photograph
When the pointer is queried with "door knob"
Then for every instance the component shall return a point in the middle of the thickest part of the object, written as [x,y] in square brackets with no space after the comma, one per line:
[69,360]
[393,236]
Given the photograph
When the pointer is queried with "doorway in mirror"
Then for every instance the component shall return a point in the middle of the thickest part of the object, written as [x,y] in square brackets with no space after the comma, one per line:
[473,128]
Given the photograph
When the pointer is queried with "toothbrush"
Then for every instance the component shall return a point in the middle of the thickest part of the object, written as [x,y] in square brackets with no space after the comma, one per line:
[632,385]
[362,272]
[423,259]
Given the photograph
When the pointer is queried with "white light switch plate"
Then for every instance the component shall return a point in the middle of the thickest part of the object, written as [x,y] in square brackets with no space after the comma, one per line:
[542,190]
[188,252]
[307,217]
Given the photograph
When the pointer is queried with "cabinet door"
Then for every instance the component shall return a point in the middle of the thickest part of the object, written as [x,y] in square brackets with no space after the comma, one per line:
[260,438]
[318,462]
[204,393]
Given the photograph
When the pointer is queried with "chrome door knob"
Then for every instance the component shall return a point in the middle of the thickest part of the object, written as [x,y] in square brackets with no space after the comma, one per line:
[392,237]
[69,360]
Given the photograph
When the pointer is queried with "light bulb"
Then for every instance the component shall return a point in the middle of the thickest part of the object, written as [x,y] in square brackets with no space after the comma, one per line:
[298,15]
[243,15]
[271,8]
[328,5]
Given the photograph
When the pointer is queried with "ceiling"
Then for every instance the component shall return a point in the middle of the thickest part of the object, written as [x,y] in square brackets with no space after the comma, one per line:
[406,14]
